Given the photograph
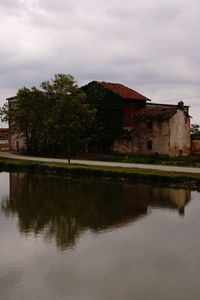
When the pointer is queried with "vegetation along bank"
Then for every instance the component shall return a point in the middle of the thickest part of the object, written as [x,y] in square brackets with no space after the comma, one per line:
[77,171]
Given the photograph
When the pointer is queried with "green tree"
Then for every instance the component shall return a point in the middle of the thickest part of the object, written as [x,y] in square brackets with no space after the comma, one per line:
[53,120]
[26,116]
[69,114]
[195,129]
[109,117]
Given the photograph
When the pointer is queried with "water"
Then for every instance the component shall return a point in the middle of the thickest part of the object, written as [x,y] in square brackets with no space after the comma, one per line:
[64,239]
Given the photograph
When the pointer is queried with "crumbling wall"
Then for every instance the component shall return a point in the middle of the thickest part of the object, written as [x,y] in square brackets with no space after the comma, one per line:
[124,144]
[164,136]
[157,136]
[141,136]
[17,142]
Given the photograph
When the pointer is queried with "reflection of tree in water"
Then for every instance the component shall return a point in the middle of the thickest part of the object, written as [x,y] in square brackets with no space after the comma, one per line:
[62,209]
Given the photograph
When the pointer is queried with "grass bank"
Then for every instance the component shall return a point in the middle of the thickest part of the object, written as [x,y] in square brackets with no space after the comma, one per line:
[157,159]
[77,171]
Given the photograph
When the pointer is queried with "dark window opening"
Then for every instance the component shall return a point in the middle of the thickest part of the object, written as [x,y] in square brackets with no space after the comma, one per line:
[2,137]
[180,152]
[149,125]
[149,145]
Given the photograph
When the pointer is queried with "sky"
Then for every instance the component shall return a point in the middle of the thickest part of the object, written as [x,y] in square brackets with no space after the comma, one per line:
[151,46]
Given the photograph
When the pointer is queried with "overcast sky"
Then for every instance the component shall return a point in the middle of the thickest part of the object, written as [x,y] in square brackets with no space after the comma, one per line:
[152,46]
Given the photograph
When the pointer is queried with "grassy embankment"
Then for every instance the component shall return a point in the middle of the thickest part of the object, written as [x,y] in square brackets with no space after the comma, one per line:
[155,159]
[72,170]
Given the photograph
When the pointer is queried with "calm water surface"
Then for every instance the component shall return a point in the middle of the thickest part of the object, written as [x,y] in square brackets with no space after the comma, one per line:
[66,239]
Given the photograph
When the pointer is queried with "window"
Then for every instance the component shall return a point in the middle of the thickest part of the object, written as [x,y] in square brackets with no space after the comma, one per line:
[149,125]
[2,137]
[149,145]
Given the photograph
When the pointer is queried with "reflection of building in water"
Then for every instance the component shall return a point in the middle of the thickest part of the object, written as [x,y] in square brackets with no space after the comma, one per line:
[15,179]
[157,197]
[62,209]
[140,198]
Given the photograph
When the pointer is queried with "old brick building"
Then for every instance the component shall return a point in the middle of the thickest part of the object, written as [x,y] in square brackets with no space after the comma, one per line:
[147,127]
[151,127]
[133,101]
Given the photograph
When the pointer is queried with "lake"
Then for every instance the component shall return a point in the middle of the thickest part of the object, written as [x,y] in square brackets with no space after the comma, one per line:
[69,239]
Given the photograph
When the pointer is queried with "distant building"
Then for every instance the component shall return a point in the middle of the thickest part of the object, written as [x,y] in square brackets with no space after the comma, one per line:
[4,138]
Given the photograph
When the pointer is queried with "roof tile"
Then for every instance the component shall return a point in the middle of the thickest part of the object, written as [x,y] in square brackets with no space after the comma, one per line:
[156,113]
[123,91]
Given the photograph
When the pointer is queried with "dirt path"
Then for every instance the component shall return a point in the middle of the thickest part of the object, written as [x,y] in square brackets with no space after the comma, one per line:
[102,163]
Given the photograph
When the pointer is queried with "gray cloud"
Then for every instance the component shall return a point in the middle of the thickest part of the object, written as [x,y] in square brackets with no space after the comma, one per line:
[151,46]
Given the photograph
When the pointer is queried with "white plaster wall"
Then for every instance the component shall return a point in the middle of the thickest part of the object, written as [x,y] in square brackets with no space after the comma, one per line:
[180,134]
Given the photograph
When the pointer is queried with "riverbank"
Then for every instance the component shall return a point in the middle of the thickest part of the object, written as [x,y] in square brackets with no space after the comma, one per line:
[87,162]
[153,159]
[96,171]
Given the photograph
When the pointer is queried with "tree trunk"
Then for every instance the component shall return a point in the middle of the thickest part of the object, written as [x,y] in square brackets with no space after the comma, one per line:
[68,152]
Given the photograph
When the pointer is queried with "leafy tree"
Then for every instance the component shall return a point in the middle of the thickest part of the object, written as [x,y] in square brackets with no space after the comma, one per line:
[26,116]
[195,130]
[69,115]
[53,120]
[109,117]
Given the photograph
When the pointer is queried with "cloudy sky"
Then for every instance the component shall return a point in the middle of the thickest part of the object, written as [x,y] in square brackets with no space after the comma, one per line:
[152,46]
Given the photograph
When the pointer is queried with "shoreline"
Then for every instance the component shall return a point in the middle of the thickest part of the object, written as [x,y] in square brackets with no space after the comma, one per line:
[106,172]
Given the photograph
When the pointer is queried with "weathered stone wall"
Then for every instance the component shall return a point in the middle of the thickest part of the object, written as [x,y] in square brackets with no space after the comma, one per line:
[195,145]
[180,143]
[124,145]
[158,135]
[170,136]
[17,142]
[141,136]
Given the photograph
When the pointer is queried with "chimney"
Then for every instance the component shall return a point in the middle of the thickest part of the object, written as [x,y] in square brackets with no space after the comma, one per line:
[181,104]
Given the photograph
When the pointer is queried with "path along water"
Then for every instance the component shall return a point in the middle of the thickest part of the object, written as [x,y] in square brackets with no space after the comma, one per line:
[104,163]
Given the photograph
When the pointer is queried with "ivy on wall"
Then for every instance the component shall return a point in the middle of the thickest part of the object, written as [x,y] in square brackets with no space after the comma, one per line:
[109,116]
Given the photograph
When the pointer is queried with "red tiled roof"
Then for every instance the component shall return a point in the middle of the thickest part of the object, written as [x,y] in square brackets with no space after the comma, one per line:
[123,91]
[156,113]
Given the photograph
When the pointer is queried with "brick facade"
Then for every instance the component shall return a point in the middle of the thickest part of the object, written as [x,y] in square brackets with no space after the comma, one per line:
[163,129]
